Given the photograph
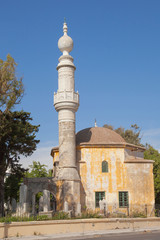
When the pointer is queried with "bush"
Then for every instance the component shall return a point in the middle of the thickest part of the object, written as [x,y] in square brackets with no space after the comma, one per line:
[138,215]
[60,215]
[90,214]
[117,215]
[9,219]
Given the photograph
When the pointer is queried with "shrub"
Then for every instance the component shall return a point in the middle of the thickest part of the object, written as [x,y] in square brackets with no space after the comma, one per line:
[90,214]
[60,215]
[137,214]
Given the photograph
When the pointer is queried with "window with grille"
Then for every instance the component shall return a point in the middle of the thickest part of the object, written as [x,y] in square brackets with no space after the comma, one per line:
[123,199]
[104,166]
[98,196]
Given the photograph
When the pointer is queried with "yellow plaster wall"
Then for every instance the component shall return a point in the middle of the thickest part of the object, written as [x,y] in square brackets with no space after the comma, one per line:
[93,180]
[136,178]
[140,185]
[56,156]
[59,199]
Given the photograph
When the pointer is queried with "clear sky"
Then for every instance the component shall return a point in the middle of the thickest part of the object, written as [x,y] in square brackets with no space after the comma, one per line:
[116,53]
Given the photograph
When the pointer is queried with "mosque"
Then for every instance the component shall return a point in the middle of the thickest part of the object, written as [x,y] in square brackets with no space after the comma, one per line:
[96,163]
[93,166]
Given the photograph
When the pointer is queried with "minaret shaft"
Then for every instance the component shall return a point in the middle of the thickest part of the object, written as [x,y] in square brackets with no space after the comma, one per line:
[66,78]
[67,154]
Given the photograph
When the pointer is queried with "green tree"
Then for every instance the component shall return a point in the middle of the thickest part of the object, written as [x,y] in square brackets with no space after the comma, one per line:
[50,172]
[14,180]
[17,134]
[131,135]
[17,137]
[153,154]
[37,170]
[108,126]
[11,88]
[12,185]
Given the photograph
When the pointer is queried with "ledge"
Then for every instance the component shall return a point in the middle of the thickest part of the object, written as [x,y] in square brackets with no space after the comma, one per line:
[138,160]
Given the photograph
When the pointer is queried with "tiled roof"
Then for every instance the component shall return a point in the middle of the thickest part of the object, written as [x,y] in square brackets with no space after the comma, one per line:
[98,135]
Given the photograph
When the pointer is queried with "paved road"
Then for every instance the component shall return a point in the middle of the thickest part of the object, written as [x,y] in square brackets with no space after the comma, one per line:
[142,235]
[127,236]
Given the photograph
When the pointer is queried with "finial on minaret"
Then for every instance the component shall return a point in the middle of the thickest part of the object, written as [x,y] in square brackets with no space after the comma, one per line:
[95,123]
[65,43]
[65,28]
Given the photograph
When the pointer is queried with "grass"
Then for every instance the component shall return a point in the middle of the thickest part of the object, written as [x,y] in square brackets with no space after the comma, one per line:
[63,215]
[138,215]
[90,214]
[57,216]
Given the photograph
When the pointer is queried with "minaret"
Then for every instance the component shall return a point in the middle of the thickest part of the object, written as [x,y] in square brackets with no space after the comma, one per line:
[66,102]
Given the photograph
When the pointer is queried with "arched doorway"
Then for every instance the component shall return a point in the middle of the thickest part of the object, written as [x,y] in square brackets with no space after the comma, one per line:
[43,201]
[41,194]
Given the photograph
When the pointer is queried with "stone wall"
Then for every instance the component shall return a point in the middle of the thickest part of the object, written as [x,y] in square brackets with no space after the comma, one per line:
[75,227]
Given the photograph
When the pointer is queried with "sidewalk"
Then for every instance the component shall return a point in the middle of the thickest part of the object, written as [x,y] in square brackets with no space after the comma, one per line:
[77,236]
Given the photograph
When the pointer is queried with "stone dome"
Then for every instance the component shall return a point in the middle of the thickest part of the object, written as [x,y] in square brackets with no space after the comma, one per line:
[98,136]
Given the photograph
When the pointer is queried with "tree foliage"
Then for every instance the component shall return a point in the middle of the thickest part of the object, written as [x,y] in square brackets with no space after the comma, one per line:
[17,134]
[131,135]
[12,185]
[108,126]
[17,137]
[153,154]
[14,180]
[37,170]
[11,88]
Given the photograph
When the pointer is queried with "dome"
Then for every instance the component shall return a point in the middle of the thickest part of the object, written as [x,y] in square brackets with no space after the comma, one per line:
[65,43]
[98,136]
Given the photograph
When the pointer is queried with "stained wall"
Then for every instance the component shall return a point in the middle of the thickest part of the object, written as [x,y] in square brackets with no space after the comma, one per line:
[136,178]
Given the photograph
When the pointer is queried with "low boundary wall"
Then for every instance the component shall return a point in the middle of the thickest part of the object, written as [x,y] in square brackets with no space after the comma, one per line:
[83,226]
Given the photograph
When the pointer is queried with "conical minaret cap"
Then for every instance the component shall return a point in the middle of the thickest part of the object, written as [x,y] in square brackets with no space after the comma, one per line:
[65,43]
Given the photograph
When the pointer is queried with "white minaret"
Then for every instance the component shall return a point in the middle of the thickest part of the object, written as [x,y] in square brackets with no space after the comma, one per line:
[66,102]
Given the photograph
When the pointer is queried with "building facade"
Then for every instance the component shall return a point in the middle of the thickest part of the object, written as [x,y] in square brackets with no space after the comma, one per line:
[96,163]
[111,169]
[93,169]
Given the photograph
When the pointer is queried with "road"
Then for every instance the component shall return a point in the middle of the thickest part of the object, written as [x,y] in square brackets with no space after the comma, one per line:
[148,235]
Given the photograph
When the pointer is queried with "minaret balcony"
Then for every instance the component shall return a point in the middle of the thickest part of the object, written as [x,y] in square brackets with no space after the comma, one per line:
[66,97]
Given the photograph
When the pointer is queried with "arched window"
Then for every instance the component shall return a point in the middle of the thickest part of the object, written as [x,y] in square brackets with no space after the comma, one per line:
[104,166]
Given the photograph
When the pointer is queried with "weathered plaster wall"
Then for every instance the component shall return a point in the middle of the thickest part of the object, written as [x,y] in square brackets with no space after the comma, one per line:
[93,180]
[136,178]
[141,186]
[67,191]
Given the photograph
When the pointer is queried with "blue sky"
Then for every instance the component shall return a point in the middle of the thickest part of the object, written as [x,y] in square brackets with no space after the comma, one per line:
[116,53]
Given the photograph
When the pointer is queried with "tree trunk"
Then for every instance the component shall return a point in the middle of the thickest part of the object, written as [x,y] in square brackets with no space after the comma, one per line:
[2,175]
[1,195]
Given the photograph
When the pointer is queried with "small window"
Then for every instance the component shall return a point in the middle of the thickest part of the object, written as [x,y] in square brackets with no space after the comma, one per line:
[104,166]
[123,199]
[98,196]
